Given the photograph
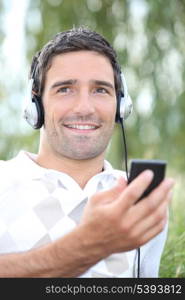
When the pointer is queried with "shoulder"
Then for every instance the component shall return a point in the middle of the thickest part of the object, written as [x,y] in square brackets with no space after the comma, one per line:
[11,164]
[9,172]
[7,166]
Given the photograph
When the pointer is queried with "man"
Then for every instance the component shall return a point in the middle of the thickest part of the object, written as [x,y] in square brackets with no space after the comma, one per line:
[66,212]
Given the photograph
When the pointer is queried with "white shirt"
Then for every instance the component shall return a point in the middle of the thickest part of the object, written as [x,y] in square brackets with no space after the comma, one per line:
[39,205]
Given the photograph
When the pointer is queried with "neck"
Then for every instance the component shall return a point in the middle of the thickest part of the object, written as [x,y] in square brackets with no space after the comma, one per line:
[80,170]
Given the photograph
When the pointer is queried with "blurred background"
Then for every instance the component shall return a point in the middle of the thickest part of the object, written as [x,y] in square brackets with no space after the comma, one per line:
[148,36]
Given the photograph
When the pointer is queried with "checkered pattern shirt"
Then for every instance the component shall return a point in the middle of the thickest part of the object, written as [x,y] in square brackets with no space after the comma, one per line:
[38,206]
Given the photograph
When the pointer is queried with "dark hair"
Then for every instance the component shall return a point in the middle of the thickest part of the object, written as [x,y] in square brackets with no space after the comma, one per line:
[75,39]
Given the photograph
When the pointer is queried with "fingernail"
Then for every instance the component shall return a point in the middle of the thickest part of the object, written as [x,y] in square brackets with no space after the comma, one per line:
[149,174]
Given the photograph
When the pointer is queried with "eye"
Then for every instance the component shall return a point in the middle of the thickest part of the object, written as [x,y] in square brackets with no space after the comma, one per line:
[101,90]
[63,90]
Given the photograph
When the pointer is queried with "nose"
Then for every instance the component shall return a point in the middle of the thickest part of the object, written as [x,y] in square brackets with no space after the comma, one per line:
[83,103]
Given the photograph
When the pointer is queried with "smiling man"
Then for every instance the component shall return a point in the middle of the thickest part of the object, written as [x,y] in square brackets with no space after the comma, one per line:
[66,212]
[80,107]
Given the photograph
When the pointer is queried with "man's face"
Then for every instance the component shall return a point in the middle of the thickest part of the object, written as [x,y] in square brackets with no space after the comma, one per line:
[79,101]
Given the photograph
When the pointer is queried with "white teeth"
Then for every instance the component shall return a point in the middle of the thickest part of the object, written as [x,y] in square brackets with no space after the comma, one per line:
[82,127]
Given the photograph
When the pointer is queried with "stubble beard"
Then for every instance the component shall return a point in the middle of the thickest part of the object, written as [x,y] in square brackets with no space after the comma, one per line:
[78,147]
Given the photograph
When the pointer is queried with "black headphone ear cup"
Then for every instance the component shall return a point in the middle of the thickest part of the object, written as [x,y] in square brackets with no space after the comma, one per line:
[33,111]
[118,118]
[39,116]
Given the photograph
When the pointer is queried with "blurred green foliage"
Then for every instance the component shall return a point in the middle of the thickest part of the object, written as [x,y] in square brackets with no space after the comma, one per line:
[173,257]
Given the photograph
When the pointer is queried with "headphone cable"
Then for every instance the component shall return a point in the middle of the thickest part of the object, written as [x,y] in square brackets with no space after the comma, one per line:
[126,169]
[125,148]
[138,262]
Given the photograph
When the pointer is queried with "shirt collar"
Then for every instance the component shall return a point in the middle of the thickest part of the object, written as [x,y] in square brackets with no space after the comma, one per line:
[27,169]
[32,170]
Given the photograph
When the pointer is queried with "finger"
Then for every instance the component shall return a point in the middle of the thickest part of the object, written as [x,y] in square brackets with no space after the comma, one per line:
[161,191]
[160,214]
[148,205]
[150,227]
[135,189]
[113,193]
[148,223]
[156,197]
[152,232]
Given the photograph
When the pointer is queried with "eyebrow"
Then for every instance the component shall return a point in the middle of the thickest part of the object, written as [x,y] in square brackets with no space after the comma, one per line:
[73,81]
[105,83]
[65,82]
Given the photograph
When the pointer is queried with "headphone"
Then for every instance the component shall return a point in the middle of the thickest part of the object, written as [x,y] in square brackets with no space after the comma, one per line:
[33,111]
[124,102]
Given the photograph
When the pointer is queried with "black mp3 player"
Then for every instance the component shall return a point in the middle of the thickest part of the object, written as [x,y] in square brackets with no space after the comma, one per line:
[157,166]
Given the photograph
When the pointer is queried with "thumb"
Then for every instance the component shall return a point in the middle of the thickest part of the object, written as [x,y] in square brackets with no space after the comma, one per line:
[121,183]
[119,187]
[114,192]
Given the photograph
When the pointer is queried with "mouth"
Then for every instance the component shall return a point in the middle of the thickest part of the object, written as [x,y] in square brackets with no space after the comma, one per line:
[82,128]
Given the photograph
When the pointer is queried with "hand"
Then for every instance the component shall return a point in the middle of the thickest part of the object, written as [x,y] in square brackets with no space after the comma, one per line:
[114,222]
